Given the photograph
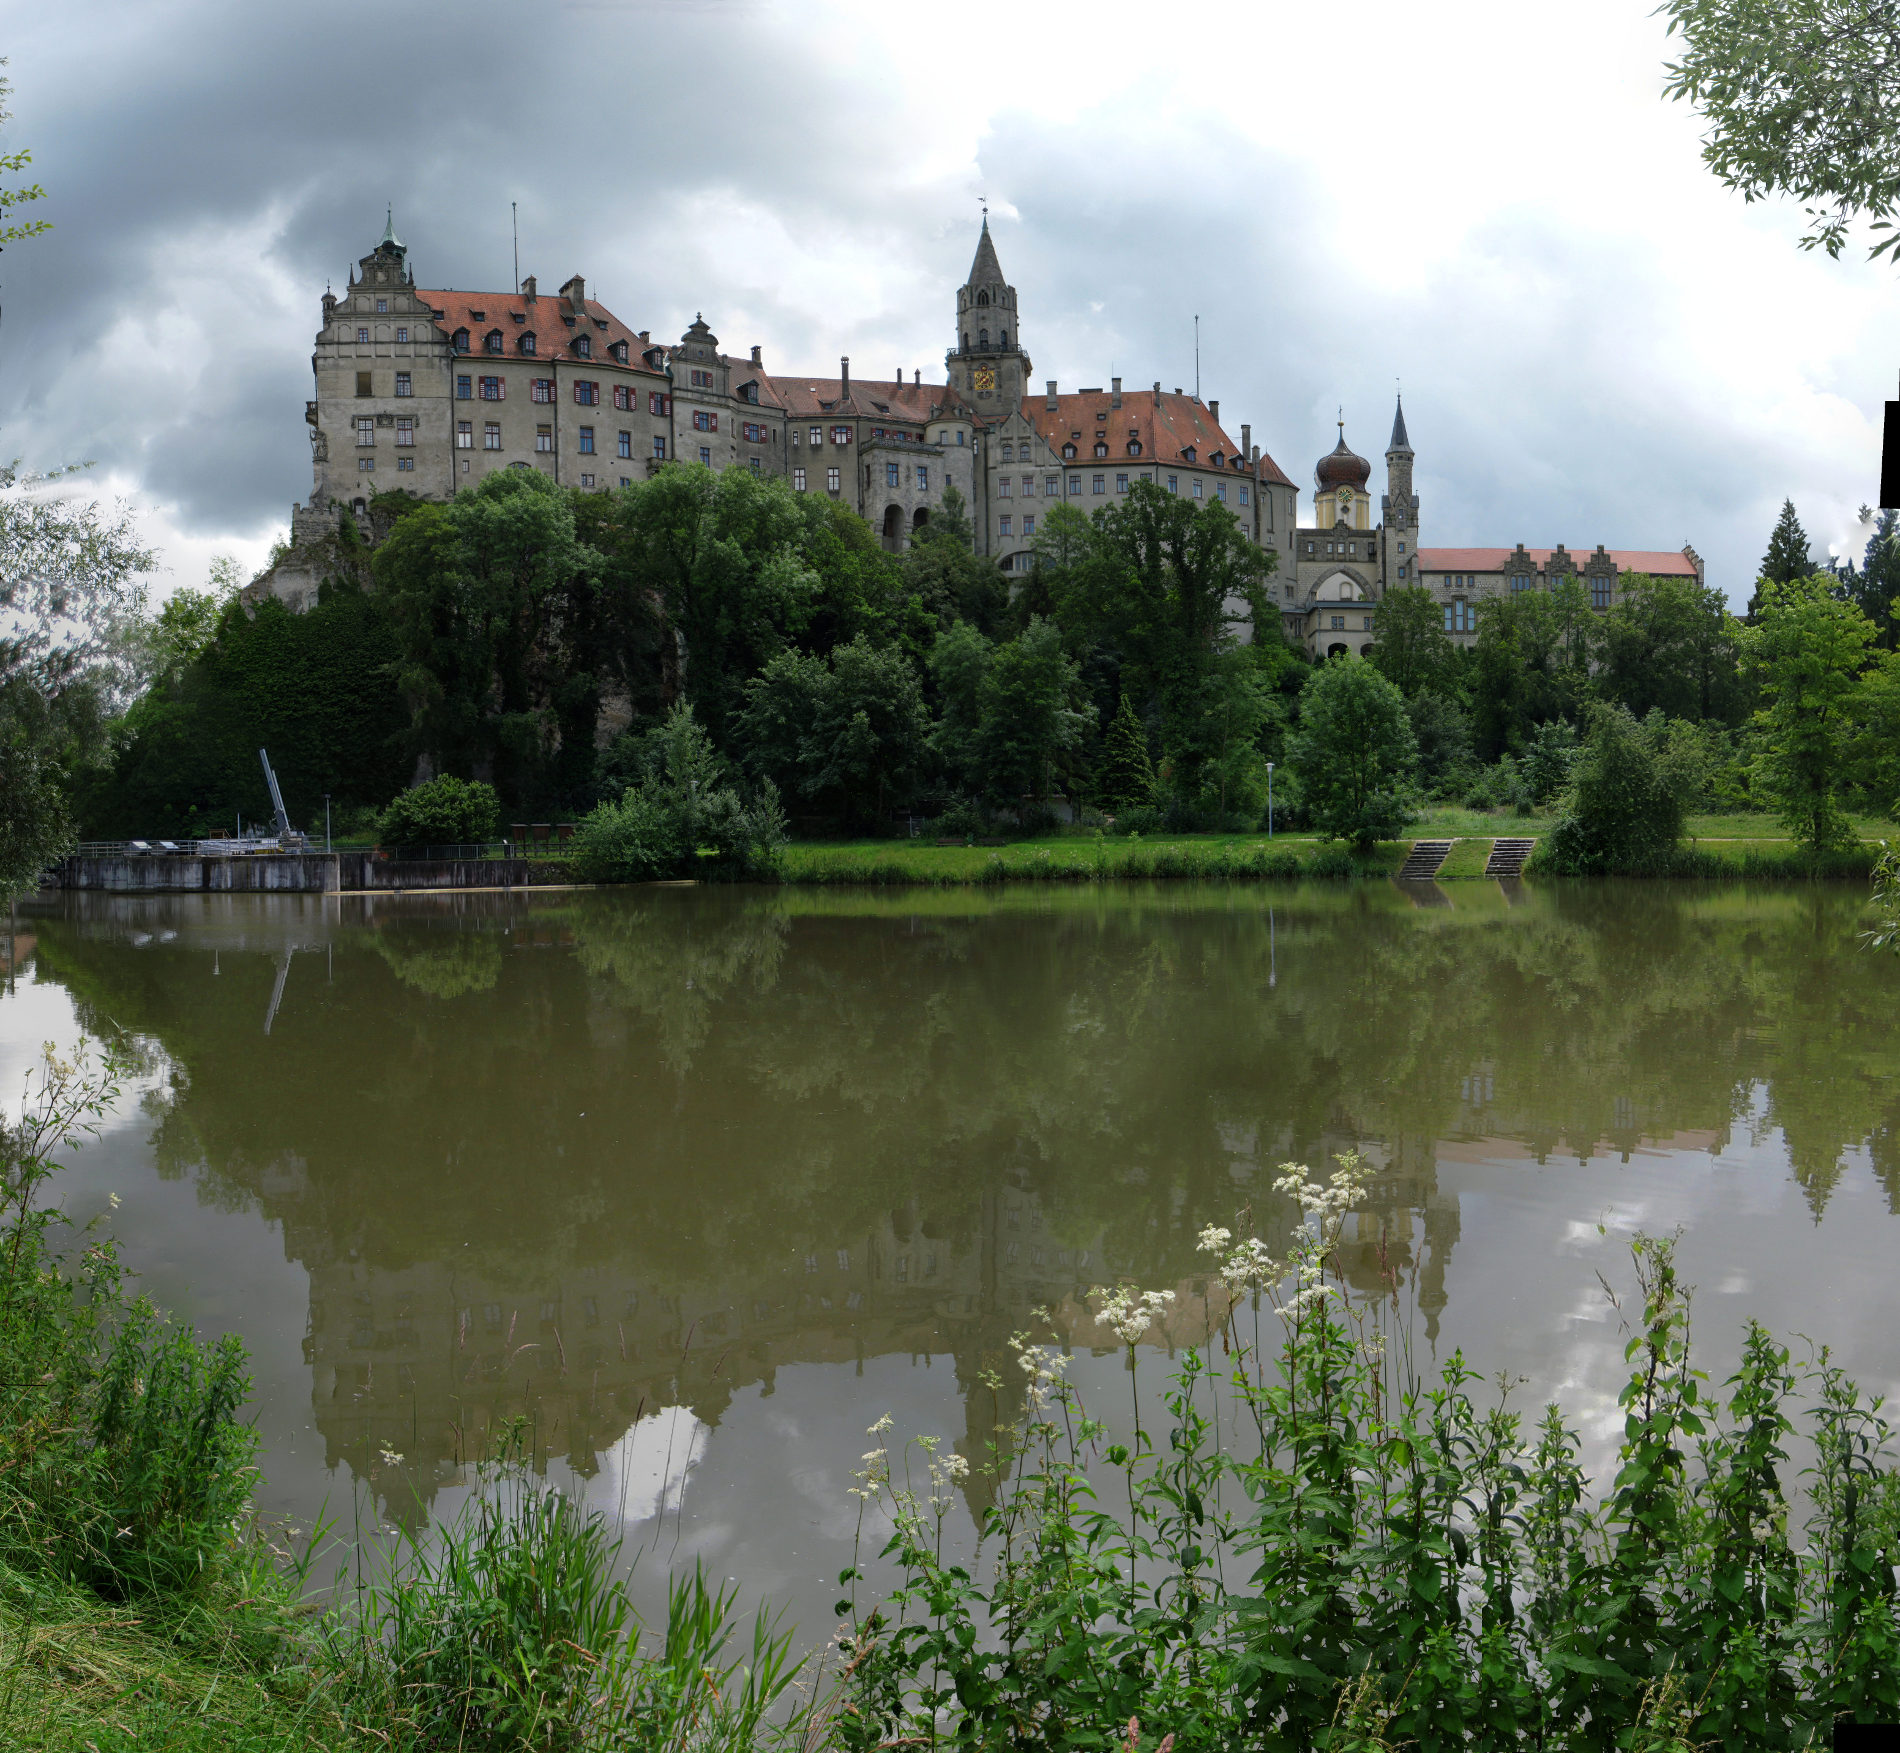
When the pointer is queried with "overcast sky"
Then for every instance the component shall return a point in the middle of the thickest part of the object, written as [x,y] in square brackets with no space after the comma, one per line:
[1485,199]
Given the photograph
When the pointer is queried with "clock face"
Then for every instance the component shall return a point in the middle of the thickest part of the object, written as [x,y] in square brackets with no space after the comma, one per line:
[986,380]
[1345,499]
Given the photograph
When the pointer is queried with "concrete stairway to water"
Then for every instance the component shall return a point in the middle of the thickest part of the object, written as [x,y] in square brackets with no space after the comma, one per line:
[1422,862]
[1507,857]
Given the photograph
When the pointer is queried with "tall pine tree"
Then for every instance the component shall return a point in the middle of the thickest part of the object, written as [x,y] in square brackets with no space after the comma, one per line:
[1127,779]
[1787,556]
[1877,587]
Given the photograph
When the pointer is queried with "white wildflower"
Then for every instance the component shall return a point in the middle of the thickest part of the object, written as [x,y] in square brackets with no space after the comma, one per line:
[1214,1239]
[1130,1312]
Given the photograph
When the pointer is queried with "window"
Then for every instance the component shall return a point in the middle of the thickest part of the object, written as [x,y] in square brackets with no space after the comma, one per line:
[1101,483]
[1009,453]
[1174,486]
[587,480]
[382,304]
[626,444]
[1051,487]
[656,402]
[584,346]
[464,388]
[623,397]
[365,464]
[1121,483]
[1075,484]
[1134,447]
[1243,496]
[831,480]
[464,435]
[405,431]
[405,462]
[1197,486]
[544,438]
[702,380]
[1101,449]
[798,480]
[1029,526]
[753,462]
[461,340]
[705,422]
[493,390]
[1401,571]
[1601,588]
[366,431]
[491,342]
[626,480]
[1520,581]
[587,392]
[659,446]
[491,435]
[1068,453]
[402,334]
[1002,487]
[1460,616]
[893,475]
[705,456]
[754,432]
[587,441]
[1029,486]
[1220,491]
[1002,526]
[363,384]
[402,383]
[1338,622]
[362,337]
[841,435]
[526,343]
[923,477]
[541,389]
[817,436]
[619,351]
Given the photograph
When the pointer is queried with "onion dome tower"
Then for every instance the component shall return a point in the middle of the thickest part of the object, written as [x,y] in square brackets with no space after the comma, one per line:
[1341,482]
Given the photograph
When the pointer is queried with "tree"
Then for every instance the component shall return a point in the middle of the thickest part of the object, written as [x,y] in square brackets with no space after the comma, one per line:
[444,811]
[1806,652]
[1531,664]
[1028,719]
[22,194]
[953,581]
[1217,763]
[1353,752]
[1801,97]
[1669,643]
[849,731]
[1413,650]
[1875,588]
[1547,761]
[1620,815]
[959,661]
[1127,778]
[1443,735]
[1787,557]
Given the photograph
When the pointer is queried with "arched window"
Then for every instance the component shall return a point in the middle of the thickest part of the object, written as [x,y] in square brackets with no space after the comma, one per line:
[492,341]
[360,508]
[461,340]
[920,517]
[1335,651]
[982,298]
[1003,338]
[893,524]
[966,340]
[982,337]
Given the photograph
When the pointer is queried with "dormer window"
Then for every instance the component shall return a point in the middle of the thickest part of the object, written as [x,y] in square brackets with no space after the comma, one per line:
[1068,451]
[461,340]
[619,351]
[1187,456]
[1134,447]
[1101,448]
[518,316]
[526,343]
[492,341]
[584,346]
[600,322]
[752,393]
[655,357]
[1217,460]
[481,316]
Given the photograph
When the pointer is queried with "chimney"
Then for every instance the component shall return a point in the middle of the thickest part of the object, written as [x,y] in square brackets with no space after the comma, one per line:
[900,374]
[1157,392]
[844,374]
[646,334]
[1246,439]
[756,360]
[1213,412]
[1115,393]
[576,289]
[527,289]
[917,380]
[1051,404]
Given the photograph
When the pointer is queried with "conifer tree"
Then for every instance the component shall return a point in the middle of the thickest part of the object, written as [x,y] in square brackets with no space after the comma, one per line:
[1787,557]
[1128,776]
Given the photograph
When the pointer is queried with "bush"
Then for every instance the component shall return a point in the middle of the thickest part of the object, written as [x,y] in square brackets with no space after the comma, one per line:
[444,811]
[960,818]
[1143,819]
[1621,816]
[1354,753]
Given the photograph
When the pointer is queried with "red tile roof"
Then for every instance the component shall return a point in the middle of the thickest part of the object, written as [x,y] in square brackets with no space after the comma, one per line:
[1166,428]
[805,397]
[545,316]
[1658,563]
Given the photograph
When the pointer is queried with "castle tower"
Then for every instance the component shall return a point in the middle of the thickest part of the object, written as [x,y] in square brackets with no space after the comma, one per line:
[988,364]
[1339,482]
[1400,510]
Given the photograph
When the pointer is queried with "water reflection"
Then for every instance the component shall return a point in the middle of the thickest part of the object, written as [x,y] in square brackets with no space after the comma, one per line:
[606,1156]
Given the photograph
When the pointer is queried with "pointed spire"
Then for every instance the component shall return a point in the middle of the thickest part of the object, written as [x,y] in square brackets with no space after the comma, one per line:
[389,240]
[1399,440]
[985,270]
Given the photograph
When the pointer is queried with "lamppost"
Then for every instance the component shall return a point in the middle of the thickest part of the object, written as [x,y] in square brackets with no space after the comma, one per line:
[1269,800]
[326,821]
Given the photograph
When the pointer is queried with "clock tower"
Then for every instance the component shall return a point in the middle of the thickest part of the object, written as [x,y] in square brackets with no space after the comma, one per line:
[988,365]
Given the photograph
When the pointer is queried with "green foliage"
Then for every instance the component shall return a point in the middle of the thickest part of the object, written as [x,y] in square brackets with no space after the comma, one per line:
[315,689]
[1028,722]
[1620,815]
[683,819]
[1354,753]
[848,733]
[1806,652]
[1443,735]
[1545,768]
[443,811]
[21,194]
[1532,663]
[1800,97]
[1413,649]
[949,578]
[1886,899]
[1669,644]
[1127,777]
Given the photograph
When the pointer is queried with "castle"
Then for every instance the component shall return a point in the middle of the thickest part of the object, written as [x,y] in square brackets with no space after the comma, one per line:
[432,390]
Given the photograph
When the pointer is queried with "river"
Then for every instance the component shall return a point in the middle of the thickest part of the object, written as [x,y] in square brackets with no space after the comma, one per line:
[704,1182]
